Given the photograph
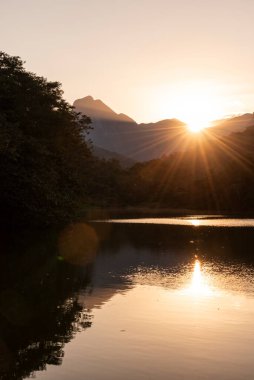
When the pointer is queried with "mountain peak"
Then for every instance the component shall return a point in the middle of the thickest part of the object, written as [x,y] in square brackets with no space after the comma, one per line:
[95,108]
[88,98]
[142,142]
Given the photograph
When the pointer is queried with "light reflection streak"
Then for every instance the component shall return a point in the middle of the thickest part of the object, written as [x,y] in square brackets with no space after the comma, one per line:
[195,222]
[199,282]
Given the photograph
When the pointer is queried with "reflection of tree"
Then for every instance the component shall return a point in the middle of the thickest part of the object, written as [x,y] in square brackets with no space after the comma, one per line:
[39,307]
[167,242]
[41,294]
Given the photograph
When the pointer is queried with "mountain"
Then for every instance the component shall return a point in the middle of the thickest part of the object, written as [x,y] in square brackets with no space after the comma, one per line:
[119,134]
[97,109]
[233,124]
[108,155]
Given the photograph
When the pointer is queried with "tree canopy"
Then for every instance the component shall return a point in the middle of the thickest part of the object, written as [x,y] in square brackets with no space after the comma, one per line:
[43,150]
[48,170]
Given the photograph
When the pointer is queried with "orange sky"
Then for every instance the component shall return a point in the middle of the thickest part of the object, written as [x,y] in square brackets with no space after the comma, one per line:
[150,59]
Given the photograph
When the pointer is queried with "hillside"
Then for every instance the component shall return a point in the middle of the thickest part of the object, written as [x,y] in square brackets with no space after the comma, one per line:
[105,154]
[234,124]
[120,134]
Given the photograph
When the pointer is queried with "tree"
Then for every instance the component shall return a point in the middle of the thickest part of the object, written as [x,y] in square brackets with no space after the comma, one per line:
[43,149]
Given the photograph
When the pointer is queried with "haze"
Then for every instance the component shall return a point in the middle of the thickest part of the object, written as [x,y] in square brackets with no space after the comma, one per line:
[142,57]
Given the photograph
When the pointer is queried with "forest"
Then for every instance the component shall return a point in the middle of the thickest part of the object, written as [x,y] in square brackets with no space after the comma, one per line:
[50,175]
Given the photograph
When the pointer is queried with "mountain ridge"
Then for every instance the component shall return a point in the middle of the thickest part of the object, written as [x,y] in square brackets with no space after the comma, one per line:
[120,134]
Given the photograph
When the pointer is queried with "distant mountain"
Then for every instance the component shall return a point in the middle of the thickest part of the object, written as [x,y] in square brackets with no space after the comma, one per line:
[108,155]
[242,142]
[119,134]
[233,124]
[98,110]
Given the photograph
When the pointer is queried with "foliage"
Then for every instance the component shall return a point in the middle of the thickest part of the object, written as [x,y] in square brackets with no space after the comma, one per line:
[48,171]
[216,175]
[43,151]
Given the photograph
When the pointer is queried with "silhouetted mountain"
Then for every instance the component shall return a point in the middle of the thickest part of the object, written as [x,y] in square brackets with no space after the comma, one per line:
[119,134]
[108,155]
[243,142]
[225,127]
[99,110]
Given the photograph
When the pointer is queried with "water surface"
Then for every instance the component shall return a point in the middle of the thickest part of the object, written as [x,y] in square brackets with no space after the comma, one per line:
[198,220]
[141,300]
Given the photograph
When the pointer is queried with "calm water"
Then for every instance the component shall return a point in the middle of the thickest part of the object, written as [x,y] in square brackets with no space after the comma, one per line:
[211,221]
[129,299]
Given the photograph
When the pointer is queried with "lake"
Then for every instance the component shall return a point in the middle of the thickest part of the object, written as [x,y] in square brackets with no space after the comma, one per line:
[165,298]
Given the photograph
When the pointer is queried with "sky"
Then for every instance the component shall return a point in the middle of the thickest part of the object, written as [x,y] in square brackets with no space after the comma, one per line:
[150,59]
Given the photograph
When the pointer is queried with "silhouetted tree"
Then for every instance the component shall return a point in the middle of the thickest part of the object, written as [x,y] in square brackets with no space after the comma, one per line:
[47,170]
[43,152]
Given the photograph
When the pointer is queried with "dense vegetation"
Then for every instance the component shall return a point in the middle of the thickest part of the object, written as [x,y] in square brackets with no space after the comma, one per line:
[216,175]
[43,153]
[48,171]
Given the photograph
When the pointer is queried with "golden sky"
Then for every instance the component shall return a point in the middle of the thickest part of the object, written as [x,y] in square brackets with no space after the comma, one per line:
[150,59]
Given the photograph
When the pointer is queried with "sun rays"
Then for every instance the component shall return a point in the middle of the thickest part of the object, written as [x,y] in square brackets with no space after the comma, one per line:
[196,103]
[192,169]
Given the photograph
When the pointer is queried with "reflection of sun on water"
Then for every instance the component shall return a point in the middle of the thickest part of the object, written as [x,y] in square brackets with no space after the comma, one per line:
[197,280]
[198,286]
[195,222]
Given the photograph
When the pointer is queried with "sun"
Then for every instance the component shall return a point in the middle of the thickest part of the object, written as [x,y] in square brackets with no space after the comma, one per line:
[197,126]
[197,104]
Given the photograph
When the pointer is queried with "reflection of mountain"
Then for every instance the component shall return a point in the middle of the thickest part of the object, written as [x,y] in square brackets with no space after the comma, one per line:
[120,134]
[130,249]
[44,301]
